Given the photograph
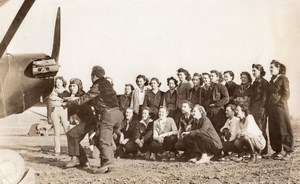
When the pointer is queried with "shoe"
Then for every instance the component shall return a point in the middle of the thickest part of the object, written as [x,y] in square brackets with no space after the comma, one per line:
[85,165]
[253,158]
[238,159]
[193,160]
[73,162]
[153,156]
[103,169]
[147,156]
[56,154]
[287,156]
[265,156]
[172,156]
[205,159]
[277,156]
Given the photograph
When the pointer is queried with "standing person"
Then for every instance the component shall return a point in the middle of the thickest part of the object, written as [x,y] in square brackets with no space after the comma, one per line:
[138,95]
[125,99]
[104,99]
[230,84]
[202,140]
[243,92]
[258,101]
[127,134]
[183,90]
[144,133]
[164,134]
[154,98]
[58,114]
[195,92]
[170,97]
[215,96]
[249,136]
[87,122]
[280,129]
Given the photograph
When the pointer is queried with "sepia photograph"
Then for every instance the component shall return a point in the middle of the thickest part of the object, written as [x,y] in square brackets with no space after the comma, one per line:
[149,91]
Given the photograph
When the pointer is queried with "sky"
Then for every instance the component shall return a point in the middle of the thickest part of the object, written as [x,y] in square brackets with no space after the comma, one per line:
[156,37]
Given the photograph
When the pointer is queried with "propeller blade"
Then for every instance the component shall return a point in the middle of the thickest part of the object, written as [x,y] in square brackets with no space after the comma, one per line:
[14,26]
[56,38]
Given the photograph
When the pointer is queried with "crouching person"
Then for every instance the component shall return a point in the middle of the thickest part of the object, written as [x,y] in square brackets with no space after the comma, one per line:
[126,135]
[185,124]
[249,136]
[164,135]
[202,141]
[229,131]
[144,132]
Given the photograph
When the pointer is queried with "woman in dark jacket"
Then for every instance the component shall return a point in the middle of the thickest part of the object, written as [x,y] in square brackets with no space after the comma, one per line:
[170,97]
[280,129]
[258,100]
[243,92]
[154,98]
[144,132]
[125,100]
[202,140]
[126,136]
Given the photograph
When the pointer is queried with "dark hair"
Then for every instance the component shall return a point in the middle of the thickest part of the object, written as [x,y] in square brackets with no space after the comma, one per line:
[205,73]
[248,76]
[131,86]
[62,79]
[156,79]
[219,74]
[142,77]
[260,68]
[98,71]
[189,103]
[230,73]
[282,67]
[200,77]
[232,107]
[245,109]
[172,78]
[186,73]
[78,82]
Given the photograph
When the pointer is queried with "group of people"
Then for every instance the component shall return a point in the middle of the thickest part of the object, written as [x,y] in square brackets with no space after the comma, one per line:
[200,118]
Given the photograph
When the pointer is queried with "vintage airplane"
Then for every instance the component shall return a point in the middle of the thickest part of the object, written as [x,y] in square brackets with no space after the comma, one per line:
[26,78]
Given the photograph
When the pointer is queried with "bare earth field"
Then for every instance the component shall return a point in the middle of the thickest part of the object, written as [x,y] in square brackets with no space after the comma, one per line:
[37,153]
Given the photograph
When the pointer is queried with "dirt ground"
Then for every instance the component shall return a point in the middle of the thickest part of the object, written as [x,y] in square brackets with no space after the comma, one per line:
[37,152]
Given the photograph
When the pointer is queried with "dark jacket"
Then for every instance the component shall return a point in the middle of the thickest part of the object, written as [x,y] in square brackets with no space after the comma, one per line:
[170,100]
[183,93]
[183,123]
[124,102]
[102,96]
[231,86]
[131,131]
[258,96]
[278,92]
[144,131]
[195,95]
[153,101]
[203,126]
[216,94]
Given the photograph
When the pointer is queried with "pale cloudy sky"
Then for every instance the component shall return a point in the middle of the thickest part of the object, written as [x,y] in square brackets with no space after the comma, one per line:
[156,37]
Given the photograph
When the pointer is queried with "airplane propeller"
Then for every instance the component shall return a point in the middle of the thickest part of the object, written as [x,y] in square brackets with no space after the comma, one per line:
[14,26]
